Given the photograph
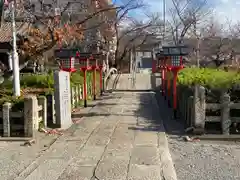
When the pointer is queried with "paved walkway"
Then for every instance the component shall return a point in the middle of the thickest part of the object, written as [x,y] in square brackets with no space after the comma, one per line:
[143,82]
[122,138]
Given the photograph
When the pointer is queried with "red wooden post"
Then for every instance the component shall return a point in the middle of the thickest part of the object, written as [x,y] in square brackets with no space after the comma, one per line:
[93,66]
[164,70]
[85,87]
[94,84]
[169,83]
[100,81]
[163,81]
[175,73]
[84,66]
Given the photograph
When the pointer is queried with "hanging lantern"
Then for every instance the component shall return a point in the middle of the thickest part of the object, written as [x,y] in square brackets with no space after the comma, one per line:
[83,61]
[67,61]
[68,64]
[92,63]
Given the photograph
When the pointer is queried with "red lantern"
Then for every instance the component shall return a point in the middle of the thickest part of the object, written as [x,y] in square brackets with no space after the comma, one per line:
[92,63]
[68,64]
[174,63]
[83,63]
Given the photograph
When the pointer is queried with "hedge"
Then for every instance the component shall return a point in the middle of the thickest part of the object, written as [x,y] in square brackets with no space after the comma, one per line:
[37,84]
[209,78]
[46,80]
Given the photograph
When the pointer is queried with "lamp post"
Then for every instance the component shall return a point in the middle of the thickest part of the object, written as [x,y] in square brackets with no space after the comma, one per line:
[174,63]
[15,57]
[100,68]
[83,59]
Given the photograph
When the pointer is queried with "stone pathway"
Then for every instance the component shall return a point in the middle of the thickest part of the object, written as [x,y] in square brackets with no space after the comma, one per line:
[122,138]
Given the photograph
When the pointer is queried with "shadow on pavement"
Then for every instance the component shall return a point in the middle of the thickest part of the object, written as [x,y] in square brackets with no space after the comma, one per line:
[151,117]
[93,114]
[156,117]
[106,104]
[148,114]
[171,125]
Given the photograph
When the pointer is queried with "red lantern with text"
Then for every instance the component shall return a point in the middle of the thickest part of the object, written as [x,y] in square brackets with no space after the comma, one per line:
[68,64]
[66,59]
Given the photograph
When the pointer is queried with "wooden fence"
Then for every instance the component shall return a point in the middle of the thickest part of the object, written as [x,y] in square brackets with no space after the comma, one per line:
[193,109]
[37,111]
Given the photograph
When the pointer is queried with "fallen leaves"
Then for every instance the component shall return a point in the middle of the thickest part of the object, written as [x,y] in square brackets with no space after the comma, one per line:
[51,131]
[191,139]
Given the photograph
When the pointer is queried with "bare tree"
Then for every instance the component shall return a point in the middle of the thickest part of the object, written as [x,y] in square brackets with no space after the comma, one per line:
[116,22]
[131,32]
[135,36]
[186,14]
[48,27]
[114,28]
[219,42]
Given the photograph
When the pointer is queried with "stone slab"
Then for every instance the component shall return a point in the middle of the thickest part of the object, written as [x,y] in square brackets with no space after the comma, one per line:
[143,172]
[120,152]
[146,138]
[89,156]
[73,172]
[145,155]
[128,120]
[112,169]
[49,169]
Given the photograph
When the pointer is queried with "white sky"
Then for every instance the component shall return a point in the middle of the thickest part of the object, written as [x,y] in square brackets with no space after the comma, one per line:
[224,9]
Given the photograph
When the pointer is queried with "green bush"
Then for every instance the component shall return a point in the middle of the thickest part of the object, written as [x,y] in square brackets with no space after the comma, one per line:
[38,81]
[76,78]
[44,82]
[47,80]
[210,78]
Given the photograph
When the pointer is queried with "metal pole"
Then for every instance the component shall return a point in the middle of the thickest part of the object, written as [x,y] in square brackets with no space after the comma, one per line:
[15,58]
[164,19]
[198,42]
[131,60]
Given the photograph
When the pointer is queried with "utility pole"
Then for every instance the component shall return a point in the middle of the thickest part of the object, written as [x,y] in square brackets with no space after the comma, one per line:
[131,61]
[198,42]
[164,19]
[15,57]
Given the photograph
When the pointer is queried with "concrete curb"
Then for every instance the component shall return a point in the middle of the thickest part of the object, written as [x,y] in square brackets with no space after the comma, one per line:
[168,170]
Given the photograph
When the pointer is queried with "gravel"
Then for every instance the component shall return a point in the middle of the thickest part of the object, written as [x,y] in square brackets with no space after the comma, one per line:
[205,160]
[200,160]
